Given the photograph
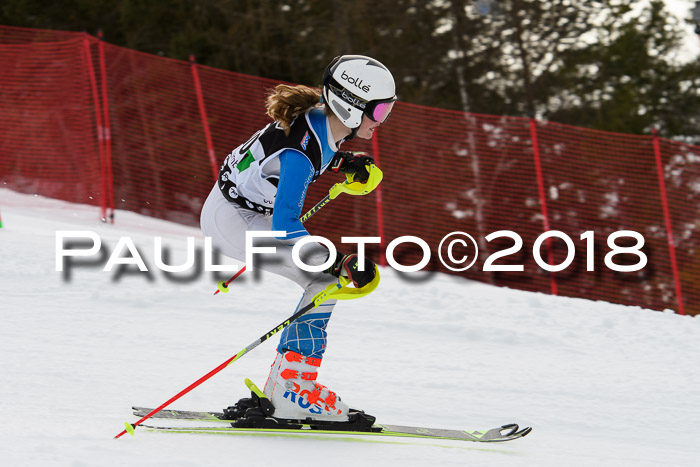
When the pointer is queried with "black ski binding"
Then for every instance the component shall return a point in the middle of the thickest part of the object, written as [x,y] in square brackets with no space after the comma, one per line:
[259,406]
[256,412]
[358,421]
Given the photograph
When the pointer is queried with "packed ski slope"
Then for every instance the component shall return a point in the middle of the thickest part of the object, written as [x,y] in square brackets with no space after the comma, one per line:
[601,384]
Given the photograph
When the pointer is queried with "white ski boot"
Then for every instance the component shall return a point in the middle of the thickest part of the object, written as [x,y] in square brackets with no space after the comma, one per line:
[292,389]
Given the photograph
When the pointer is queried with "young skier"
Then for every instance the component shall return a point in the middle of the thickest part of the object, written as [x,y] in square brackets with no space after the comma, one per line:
[262,186]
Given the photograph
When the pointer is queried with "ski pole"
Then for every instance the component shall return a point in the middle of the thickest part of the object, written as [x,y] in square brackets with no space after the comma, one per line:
[337,291]
[348,186]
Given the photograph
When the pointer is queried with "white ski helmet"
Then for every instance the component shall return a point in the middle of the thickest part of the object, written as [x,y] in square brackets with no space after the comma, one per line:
[355,85]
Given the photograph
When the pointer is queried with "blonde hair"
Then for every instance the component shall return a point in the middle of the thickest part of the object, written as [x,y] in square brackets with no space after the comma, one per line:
[285,103]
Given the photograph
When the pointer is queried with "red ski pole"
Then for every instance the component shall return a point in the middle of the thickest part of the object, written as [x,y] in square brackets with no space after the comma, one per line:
[333,291]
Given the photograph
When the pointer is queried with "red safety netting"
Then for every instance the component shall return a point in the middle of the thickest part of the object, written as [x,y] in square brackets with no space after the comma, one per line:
[48,136]
[90,122]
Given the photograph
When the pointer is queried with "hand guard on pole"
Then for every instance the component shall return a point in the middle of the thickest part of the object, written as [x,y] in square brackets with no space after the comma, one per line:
[352,187]
[354,163]
[349,266]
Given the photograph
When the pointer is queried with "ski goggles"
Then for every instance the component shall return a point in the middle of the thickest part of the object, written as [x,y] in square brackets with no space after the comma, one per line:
[377,110]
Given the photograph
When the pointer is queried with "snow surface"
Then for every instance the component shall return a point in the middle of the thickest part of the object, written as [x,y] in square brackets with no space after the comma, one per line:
[601,384]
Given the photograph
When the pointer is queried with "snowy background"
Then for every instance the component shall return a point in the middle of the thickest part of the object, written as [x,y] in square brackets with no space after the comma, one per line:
[601,384]
[682,9]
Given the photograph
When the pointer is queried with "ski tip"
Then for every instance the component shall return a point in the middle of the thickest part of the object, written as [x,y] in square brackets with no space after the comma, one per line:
[513,432]
[130,428]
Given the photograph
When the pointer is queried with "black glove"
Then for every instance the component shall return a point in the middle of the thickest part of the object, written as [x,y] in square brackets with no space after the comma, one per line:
[353,163]
[348,266]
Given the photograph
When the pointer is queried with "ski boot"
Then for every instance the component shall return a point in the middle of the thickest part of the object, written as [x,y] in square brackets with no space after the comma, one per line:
[295,394]
[292,400]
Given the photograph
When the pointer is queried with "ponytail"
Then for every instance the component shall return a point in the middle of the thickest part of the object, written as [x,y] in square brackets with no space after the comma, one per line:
[285,103]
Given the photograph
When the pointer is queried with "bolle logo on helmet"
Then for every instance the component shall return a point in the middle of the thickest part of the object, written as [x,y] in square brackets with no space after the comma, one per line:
[357,82]
[353,100]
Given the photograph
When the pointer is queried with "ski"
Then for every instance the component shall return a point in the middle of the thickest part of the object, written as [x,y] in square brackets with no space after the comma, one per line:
[500,434]
[184,415]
